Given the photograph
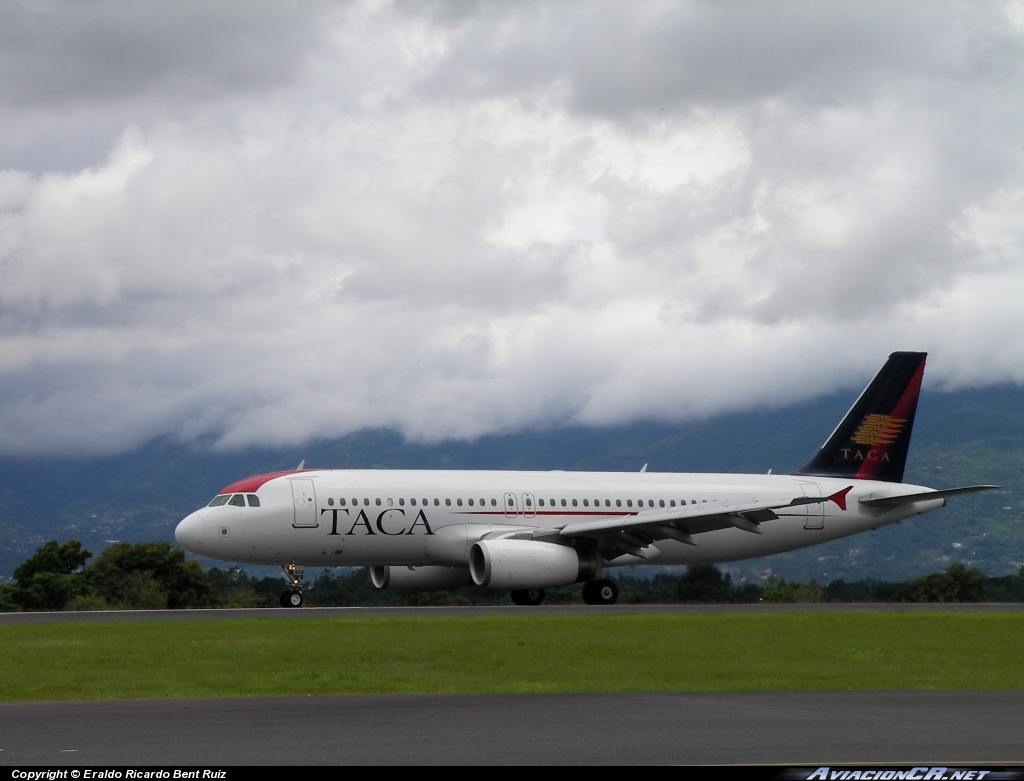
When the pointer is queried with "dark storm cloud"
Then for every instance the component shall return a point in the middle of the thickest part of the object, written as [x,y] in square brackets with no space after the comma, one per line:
[617,58]
[72,54]
[260,223]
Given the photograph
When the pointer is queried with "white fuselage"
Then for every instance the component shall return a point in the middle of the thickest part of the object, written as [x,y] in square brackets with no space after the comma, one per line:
[419,518]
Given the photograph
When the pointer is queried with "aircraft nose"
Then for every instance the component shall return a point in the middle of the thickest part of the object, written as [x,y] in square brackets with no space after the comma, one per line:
[190,531]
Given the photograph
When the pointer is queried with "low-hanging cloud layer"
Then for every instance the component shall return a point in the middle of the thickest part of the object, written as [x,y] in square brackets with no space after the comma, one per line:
[259,223]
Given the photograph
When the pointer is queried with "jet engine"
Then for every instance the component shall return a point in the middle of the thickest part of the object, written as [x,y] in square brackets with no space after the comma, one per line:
[527,564]
[408,579]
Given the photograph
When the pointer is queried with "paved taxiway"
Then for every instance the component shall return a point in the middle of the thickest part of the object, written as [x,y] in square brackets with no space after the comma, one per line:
[905,727]
[763,727]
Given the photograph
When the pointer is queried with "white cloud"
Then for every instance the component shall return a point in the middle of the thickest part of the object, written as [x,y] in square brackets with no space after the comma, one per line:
[433,219]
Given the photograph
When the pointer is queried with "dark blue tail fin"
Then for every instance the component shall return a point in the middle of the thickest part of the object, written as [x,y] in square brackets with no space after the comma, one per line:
[871,442]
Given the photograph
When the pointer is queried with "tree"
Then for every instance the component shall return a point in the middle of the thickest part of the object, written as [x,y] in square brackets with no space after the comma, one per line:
[958,583]
[704,583]
[8,601]
[780,592]
[149,575]
[51,577]
[57,559]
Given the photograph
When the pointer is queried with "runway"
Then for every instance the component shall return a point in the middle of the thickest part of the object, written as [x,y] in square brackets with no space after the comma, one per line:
[221,614]
[900,727]
[897,727]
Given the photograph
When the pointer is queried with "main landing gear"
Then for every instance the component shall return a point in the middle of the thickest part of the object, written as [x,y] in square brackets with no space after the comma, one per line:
[528,596]
[600,592]
[293,596]
[595,592]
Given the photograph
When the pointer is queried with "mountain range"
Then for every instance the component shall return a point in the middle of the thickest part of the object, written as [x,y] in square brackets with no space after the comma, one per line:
[960,438]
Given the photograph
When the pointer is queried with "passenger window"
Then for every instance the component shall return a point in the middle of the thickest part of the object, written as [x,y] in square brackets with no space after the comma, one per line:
[563,503]
[366,501]
[586,503]
[425,502]
[574,503]
[629,503]
[661,502]
[529,502]
[540,502]
[401,502]
[494,502]
[618,503]
[437,502]
[330,503]
[391,502]
[219,500]
[378,501]
[447,502]
[254,500]
[458,502]
[482,503]
[411,501]
[470,502]
[237,501]
[342,501]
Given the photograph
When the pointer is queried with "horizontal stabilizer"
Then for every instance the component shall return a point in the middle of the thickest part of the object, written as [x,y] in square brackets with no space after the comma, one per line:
[897,501]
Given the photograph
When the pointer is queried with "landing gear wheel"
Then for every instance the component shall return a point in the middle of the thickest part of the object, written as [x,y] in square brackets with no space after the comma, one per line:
[600,592]
[293,596]
[529,596]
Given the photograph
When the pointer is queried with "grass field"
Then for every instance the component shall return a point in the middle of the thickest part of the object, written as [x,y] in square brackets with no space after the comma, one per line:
[528,653]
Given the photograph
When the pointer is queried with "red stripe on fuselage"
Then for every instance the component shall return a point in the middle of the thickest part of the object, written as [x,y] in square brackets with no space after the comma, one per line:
[251,484]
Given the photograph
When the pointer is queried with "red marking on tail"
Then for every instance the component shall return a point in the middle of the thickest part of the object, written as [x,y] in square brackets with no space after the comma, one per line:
[839,497]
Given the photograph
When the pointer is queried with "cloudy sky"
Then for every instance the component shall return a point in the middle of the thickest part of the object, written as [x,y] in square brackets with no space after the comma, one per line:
[263,222]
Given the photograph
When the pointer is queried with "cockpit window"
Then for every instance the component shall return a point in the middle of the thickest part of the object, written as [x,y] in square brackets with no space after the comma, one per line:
[254,500]
[237,501]
[219,500]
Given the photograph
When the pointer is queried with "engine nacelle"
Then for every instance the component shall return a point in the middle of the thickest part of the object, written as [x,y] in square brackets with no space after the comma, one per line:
[522,564]
[409,579]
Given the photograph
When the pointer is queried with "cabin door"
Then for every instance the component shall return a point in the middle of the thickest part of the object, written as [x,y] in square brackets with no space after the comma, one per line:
[815,512]
[304,499]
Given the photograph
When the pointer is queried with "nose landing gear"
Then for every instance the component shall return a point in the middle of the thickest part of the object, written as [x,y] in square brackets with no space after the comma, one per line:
[293,596]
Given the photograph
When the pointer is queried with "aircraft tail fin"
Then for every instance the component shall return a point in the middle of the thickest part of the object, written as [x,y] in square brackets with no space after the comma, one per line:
[871,442]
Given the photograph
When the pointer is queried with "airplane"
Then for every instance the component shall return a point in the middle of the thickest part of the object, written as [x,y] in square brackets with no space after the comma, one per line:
[432,530]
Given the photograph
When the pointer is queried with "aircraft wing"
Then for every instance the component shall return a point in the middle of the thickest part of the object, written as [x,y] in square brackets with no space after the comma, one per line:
[636,533]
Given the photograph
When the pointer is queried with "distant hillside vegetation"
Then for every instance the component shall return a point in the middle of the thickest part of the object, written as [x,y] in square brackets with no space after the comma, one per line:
[972,436]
